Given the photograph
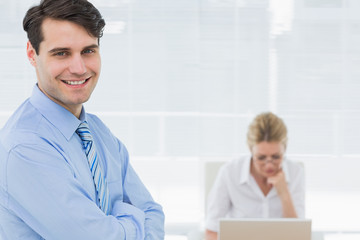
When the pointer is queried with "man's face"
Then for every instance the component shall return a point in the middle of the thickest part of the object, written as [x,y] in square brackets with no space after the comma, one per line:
[68,64]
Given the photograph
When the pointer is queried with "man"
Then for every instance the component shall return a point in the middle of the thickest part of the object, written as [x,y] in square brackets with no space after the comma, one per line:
[63,175]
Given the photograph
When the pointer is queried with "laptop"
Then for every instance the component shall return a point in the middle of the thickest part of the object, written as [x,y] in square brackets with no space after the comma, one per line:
[265,229]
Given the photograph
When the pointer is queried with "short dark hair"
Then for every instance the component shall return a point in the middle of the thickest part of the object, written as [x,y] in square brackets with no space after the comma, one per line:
[80,12]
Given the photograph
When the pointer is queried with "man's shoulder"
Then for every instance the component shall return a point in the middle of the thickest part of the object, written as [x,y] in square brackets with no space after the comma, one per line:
[22,125]
[23,117]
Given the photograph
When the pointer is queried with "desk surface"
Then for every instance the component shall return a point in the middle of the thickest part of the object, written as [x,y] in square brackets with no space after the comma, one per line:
[193,231]
[333,236]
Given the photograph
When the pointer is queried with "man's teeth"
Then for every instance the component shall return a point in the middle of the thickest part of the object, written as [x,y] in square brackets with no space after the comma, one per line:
[75,82]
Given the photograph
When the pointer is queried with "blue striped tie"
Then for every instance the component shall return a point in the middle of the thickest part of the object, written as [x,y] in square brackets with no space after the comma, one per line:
[98,176]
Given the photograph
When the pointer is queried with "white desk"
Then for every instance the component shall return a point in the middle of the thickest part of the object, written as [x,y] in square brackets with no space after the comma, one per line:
[193,231]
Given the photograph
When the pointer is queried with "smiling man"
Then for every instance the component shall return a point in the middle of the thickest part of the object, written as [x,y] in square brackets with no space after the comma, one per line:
[63,174]
[68,64]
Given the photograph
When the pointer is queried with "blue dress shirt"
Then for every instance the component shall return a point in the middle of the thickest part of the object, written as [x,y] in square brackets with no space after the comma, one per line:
[46,187]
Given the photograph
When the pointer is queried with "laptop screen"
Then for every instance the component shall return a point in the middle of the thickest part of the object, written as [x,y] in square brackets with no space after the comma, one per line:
[265,229]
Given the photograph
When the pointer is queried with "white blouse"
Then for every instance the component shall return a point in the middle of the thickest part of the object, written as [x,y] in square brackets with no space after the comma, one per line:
[235,193]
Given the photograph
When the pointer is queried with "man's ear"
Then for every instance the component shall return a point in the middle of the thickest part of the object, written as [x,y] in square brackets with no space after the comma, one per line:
[31,53]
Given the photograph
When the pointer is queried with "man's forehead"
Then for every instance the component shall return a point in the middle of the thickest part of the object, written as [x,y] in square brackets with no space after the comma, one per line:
[66,34]
[55,25]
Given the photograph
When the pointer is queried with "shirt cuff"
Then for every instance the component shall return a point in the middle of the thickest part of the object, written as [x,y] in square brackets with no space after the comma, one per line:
[131,218]
[212,225]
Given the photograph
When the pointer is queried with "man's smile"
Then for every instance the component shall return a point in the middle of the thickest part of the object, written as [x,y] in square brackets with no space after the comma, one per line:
[75,82]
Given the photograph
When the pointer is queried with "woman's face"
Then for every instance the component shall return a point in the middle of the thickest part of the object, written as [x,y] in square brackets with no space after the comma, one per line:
[267,158]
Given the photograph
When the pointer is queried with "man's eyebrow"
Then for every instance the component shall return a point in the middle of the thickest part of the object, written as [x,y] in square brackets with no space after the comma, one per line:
[92,46]
[59,50]
[68,49]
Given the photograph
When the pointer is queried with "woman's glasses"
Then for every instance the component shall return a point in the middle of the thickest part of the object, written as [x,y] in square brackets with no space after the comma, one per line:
[264,159]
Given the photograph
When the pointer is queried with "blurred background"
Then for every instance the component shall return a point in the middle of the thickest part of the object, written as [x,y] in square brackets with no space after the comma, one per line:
[182,79]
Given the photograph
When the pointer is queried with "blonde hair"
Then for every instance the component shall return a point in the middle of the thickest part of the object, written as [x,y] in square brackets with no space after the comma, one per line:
[266,127]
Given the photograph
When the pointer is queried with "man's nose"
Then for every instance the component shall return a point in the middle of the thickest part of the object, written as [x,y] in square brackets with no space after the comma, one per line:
[77,65]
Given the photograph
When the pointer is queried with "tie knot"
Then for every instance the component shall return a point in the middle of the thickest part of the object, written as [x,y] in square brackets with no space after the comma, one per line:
[84,132]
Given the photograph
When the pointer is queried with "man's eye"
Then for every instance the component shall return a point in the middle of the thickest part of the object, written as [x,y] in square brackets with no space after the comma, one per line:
[261,158]
[60,54]
[89,51]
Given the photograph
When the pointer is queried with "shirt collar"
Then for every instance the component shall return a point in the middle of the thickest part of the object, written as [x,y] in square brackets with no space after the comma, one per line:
[57,115]
[244,176]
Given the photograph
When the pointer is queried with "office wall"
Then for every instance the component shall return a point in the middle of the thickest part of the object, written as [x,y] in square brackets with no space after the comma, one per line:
[182,79]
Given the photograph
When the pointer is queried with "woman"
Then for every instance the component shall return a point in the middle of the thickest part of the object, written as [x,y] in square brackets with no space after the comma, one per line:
[263,185]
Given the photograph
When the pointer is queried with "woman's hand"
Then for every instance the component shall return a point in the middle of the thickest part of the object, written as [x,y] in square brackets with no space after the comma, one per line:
[210,235]
[279,182]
